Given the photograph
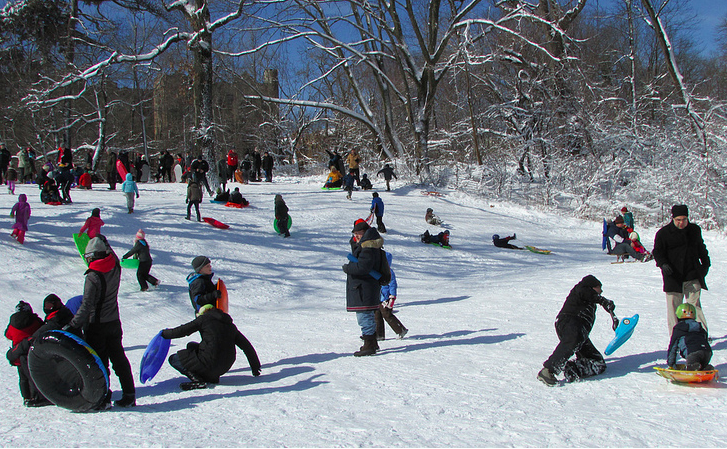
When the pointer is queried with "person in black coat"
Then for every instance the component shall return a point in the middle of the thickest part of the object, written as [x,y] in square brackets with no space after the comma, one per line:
[388,173]
[573,325]
[22,325]
[206,361]
[141,252]
[281,216]
[680,252]
[267,165]
[363,290]
[199,169]
[166,163]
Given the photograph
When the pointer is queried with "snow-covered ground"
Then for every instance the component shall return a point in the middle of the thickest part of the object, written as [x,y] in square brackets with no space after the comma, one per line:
[480,325]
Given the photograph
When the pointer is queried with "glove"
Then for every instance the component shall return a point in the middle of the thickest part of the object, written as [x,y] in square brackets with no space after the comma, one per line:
[218,294]
[667,270]
[615,323]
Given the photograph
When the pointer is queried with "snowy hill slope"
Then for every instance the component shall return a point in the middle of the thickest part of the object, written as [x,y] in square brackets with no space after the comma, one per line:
[480,321]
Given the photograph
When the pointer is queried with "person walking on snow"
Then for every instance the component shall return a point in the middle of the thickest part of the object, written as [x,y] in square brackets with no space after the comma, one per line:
[130,190]
[377,208]
[388,172]
[141,251]
[194,197]
[362,289]
[573,326]
[680,252]
[92,225]
[21,212]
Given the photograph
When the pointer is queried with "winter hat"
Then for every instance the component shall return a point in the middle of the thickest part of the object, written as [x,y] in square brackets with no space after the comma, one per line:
[51,303]
[679,210]
[590,281]
[624,210]
[199,262]
[360,225]
[375,194]
[140,235]
[204,309]
[619,219]
[23,307]
[634,236]
[429,209]
[96,212]
[97,248]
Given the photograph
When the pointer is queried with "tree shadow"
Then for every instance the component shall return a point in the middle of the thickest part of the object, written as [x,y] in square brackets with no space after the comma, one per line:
[434,301]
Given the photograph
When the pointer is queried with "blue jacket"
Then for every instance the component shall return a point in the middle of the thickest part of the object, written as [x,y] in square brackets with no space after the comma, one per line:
[389,289]
[377,206]
[129,186]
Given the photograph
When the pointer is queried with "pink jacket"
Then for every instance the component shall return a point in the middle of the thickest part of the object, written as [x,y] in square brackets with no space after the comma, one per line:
[92,226]
[21,211]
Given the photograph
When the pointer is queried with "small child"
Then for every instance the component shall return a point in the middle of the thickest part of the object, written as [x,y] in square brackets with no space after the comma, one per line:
[23,323]
[442,239]
[628,218]
[334,179]
[11,176]
[366,182]
[202,290]
[237,198]
[130,189]
[141,251]
[194,197]
[638,247]
[93,224]
[432,219]
[281,216]
[385,311]
[21,212]
[504,242]
[377,208]
[348,181]
[222,195]
[689,339]
[85,181]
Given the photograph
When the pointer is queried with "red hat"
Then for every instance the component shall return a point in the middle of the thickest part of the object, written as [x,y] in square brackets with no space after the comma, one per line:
[623,209]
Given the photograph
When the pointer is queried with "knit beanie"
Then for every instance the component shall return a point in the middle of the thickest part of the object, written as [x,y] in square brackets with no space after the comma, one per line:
[199,262]
[23,307]
[140,235]
[679,210]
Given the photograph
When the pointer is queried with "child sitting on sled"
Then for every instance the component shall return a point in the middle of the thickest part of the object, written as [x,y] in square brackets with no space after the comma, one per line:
[689,339]
[638,247]
[431,218]
[442,239]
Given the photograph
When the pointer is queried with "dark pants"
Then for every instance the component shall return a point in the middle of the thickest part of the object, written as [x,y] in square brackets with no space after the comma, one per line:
[385,313]
[177,365]
[143,276]
[380,223]
[196,207]
[167,171]
[701,358]
[626,248]
[105,339]
[573,334]
[112,179]
[283,226]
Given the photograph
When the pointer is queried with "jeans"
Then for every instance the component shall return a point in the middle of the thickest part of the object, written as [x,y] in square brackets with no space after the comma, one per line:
[367,321]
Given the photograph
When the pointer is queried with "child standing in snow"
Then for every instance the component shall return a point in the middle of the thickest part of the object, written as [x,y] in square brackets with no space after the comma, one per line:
[141,252]
[23,323]
[194,197]
[573,325]
[348,181]
[377,208]
[386,309]
[11,176]
[689,339]
[281,216]
[130,189]
[93,224]
[628,218]
[21,212]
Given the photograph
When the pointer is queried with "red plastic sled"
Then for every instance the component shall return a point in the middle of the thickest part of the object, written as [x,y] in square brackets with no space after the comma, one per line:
[121,169]
[237,205]
[215,223]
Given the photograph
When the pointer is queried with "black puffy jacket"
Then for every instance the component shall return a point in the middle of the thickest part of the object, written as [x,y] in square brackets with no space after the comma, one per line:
[685,252]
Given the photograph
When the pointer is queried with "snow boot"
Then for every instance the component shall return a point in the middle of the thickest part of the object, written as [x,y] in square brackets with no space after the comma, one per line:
[195,384]
[547,377]
[127,400]
[369,347]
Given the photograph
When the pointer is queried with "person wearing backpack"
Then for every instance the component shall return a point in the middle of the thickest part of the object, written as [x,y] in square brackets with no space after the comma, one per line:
[362,288]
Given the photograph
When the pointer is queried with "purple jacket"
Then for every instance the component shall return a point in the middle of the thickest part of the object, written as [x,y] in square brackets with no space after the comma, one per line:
[21,210]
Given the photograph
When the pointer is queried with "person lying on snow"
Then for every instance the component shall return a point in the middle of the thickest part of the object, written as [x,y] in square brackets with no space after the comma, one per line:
[442,239]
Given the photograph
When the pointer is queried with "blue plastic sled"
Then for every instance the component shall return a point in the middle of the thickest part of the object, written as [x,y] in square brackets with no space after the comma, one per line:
[373,273]
[623,333]
[604,241]
[74,303]
[154,357]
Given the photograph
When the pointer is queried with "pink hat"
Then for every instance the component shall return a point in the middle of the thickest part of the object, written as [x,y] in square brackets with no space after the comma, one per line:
[140,234]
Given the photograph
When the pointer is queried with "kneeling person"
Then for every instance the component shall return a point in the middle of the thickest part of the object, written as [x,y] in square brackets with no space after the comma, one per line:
[206,361]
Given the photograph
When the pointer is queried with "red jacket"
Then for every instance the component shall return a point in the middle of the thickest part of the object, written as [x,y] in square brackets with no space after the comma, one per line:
[22,325]
[92,226]
[232,158]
